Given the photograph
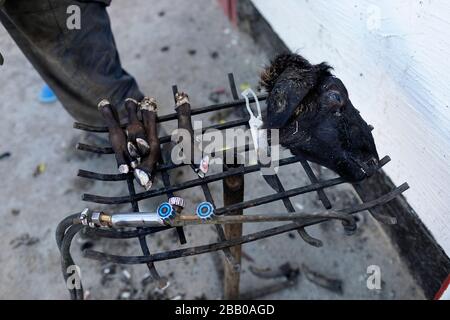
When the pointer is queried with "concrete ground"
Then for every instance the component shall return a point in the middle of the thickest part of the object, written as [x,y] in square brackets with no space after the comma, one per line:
[193,45]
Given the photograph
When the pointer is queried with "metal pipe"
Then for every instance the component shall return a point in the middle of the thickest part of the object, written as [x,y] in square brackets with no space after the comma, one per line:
[120,220]
[152,219]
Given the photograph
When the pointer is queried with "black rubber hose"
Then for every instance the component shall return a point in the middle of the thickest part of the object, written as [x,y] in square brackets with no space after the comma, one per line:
[67,261]
[62,227]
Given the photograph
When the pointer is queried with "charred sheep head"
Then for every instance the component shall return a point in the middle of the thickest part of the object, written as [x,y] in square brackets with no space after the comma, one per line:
[316,118]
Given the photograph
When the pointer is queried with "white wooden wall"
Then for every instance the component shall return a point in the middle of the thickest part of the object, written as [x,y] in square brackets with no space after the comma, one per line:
[394,57]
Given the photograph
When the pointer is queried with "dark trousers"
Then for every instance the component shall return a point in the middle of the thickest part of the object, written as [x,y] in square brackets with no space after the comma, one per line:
[82,66]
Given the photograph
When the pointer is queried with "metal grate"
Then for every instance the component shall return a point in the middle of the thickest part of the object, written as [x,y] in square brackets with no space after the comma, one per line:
[224,244]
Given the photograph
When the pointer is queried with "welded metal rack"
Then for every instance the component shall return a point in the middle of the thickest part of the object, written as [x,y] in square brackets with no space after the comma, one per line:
[232,177]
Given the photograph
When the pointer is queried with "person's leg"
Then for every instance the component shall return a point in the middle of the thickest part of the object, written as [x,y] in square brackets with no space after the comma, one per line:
[81,66]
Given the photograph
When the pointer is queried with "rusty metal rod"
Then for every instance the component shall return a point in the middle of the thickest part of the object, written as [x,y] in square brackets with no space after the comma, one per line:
[164,139]
[220,176]
[290,208]
[121,177]
[173,116]
[142,239]
[290,193]
[312,177]
[181,186]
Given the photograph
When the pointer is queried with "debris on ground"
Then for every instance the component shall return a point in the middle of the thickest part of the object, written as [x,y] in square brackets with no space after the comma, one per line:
[216,94]
[108,274]
[287,270]
[221,116]
[332,284]
[86,245]
[40,169]
[192,52]
[15,212]
[5,155]
[156,289]
[246,256]
[264,273]
[165,49]
[299,206]
[214,55]
[87,295]
[163,284]
[244,86]
[126,276]
[128,293]
[23,240]
[291,272]
[125,295]
[201,297]
[47,95]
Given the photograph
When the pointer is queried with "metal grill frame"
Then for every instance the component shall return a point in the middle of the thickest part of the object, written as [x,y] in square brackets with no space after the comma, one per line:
[224,244]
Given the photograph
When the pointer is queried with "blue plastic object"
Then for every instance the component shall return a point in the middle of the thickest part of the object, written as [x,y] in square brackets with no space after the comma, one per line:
[165,211]
[46,95]
[205,210]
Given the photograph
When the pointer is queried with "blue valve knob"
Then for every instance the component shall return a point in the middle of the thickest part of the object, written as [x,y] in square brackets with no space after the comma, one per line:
[205,210]
[165,211]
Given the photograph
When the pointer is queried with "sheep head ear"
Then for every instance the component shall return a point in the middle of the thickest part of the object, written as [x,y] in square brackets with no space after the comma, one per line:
[289,90]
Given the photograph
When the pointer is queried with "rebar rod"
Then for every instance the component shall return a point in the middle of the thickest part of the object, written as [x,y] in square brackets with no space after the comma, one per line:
[290,208]
[162,140]
[142,238]
[166,181]
[181,186]
[166,166]
[312,177]
[173,116]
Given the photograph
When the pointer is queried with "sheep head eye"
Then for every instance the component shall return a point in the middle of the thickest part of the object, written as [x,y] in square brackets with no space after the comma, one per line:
[334,101]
